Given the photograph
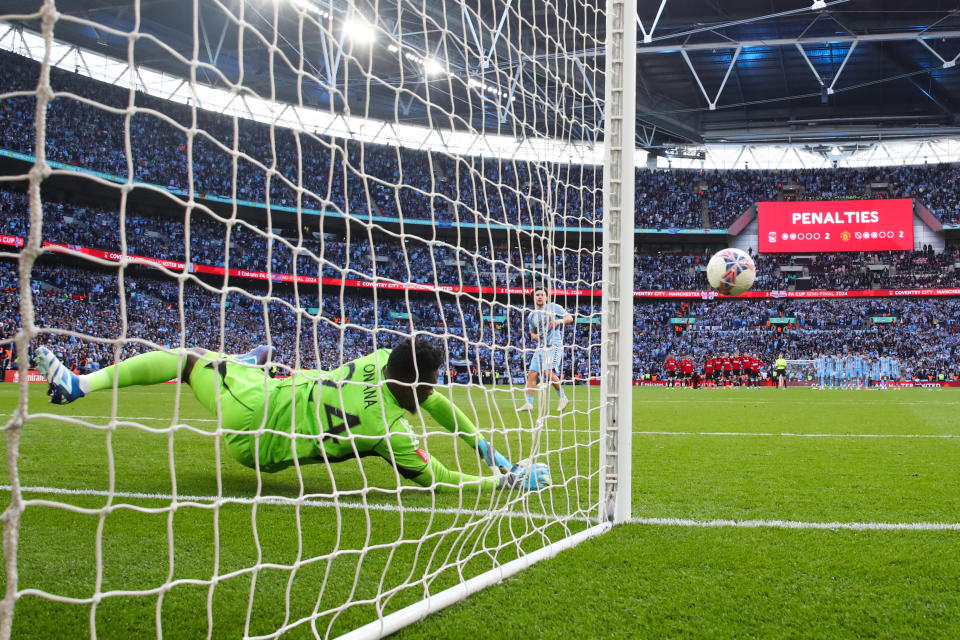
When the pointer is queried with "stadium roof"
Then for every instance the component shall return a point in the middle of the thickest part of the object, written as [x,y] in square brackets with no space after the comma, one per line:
[709,71]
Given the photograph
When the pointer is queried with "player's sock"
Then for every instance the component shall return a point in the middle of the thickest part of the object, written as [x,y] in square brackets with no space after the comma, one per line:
[561,393]
[529,397]
[146,368]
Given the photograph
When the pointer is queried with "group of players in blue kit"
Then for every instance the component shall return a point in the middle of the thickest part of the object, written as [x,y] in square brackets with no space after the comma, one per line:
[857,371]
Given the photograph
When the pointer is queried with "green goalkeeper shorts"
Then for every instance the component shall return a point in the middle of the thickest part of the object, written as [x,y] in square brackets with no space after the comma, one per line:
[240,390]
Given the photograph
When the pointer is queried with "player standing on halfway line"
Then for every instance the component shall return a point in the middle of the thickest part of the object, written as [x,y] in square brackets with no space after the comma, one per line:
[735,366]
[781,367]
[708,372]
[885,366]
[820,367]
[313,416]
[686,370]
[727,365]
[546,323]
[670,366]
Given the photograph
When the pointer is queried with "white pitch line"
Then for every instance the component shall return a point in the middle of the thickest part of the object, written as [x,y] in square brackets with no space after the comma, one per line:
[787,434]
[794,524]
[806,401]
[670,522]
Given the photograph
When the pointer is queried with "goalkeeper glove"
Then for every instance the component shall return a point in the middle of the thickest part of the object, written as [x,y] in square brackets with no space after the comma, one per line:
[491,457]
[532,478]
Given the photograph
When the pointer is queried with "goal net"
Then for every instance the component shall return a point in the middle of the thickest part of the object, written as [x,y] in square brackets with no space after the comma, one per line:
[325,179]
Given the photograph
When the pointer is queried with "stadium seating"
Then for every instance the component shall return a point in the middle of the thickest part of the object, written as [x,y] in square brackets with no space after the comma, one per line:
[388,181]
[339,175]
[925,334]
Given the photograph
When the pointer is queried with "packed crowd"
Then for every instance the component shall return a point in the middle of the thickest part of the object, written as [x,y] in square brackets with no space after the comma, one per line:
[924,268]
[924,333]
[487,336]
[280,167]
[430,261]
[242,159]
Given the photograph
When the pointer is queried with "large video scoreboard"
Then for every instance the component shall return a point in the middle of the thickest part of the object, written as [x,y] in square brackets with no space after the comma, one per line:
[836,225]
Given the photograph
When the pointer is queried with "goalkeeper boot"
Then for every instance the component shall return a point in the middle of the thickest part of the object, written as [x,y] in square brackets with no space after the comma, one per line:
[64,384]
[257,356]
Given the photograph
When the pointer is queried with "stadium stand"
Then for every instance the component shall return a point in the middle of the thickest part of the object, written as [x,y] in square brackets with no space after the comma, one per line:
[925,334]
[437,187]
[409,184]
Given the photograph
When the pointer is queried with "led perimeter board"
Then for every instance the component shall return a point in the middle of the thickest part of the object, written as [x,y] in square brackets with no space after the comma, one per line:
[836,225]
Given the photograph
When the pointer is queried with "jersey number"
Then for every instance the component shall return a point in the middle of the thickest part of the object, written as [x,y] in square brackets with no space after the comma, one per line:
[339,420]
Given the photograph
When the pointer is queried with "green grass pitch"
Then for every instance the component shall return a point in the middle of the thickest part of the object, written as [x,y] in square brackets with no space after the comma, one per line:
[809,477]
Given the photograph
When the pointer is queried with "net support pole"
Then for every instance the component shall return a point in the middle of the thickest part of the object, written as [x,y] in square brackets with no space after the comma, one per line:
[616,362]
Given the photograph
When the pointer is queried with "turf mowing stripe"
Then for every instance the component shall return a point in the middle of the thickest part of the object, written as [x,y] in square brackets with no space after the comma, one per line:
[793,524]
[669,522]
[787,434]
[279,500]
[642,433]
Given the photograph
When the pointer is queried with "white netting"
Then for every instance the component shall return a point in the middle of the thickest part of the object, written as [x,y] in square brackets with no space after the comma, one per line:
[161,226]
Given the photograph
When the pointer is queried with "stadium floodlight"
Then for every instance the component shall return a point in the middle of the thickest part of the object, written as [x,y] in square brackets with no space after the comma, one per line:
[359,31]
[310,7]
[482,86]
[430,66]
[433,67]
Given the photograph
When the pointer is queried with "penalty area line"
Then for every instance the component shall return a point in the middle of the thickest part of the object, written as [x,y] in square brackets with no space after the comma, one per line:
[794,524]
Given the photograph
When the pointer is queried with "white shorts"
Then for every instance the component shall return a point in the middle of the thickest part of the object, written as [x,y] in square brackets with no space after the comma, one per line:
[546,359]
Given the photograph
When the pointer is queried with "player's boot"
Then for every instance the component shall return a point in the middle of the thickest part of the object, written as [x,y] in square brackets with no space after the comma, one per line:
[257,356]
[564,401]
[526,406]
[64,384]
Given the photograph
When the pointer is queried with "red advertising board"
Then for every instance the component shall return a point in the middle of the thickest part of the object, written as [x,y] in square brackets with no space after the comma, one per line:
[836,225]
[13,375]
[386,284]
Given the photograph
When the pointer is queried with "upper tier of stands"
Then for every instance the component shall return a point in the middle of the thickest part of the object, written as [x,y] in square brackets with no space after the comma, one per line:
[90,125]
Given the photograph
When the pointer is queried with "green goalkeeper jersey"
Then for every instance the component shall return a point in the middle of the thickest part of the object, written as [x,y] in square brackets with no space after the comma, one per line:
[350,412]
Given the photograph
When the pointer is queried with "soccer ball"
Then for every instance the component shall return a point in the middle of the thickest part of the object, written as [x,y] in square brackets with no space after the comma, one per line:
[731,272]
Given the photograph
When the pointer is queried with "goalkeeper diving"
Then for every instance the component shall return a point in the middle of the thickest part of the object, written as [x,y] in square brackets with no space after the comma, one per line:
[314,416]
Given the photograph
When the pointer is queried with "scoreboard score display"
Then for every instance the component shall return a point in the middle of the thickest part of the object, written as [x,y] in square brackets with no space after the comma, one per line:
[836,225]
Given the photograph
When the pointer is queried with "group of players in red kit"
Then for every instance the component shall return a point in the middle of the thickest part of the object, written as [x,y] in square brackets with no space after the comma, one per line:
[722,371]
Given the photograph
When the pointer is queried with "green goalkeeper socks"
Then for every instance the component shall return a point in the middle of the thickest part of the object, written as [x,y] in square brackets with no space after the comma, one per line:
[147,368]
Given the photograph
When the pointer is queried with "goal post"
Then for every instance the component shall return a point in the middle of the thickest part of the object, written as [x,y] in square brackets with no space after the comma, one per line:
[326,179]
[618,222]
